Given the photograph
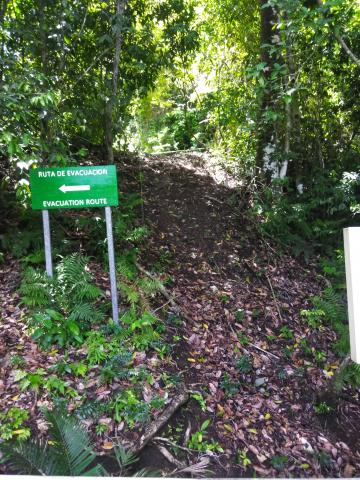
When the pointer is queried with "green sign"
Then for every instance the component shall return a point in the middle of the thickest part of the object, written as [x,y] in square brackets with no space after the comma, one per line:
[73,187]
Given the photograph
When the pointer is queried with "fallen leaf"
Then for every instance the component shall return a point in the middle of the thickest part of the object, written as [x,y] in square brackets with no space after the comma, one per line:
[108,446]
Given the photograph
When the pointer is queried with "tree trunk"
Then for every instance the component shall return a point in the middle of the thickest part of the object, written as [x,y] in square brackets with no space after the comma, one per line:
[266,128]
[289,107]
[109,107]
[45,118]
[3,6]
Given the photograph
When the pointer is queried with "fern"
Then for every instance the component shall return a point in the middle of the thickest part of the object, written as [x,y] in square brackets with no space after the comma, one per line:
[348,374]
[125,266]
[35,288]
[333,305]
[150,286]
[91,409]
[72,267]
[70,296]
[85,312]
[137,234]
[85,291]
[131,294]
[117,367]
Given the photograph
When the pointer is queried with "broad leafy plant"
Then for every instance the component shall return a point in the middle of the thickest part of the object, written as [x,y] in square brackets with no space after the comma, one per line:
[12,424]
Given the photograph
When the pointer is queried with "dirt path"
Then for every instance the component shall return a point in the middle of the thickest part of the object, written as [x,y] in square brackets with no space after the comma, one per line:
[244,301]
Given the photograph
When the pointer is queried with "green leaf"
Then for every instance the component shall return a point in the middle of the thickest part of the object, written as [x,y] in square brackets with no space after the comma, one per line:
[205,424]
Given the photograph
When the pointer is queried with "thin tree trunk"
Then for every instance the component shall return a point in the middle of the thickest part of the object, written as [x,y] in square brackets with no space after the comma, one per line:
[266,128]
[289,107]
[109,107]
[3,6]
[44,120]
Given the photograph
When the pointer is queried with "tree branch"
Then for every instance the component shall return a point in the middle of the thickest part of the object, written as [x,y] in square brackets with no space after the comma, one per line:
[350,53]
[342,42]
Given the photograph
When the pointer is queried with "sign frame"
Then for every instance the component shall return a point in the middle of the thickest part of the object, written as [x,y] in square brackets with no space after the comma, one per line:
[73,187]
[78,195]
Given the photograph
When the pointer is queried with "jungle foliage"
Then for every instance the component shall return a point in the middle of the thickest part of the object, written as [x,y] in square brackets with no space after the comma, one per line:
[271,85]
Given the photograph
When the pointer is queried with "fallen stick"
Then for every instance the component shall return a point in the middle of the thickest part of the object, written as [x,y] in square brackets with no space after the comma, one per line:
[170,458]
[173,444]
[161,420]
[274,297]
[264,351]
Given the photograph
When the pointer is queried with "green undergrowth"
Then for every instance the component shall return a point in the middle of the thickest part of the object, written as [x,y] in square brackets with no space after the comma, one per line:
[329,308]
[70,311]
[69,317]
[309,225]
[311,222]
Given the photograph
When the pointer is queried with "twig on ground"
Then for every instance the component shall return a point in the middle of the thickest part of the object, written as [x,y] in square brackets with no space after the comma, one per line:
[169,457]
[274,297]
[173,444]
[196,468]
[213,199]
[187,433]
[161,306]
[264,351]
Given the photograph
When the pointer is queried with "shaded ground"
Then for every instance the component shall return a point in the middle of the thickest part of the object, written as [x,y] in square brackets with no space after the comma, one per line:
[239,293]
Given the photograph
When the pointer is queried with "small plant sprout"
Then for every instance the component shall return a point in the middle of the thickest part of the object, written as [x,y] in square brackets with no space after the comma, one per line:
[322,408]
[286,333]
[230,387]
[200,399]
[243,339]
[242,458]
[101,428]
[198,442]
[279,462]
[313,317]
[239,315]
[17,361]
[244,364]
[12,424]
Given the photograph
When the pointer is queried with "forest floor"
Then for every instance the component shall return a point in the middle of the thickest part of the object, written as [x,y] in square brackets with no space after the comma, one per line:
[242,346]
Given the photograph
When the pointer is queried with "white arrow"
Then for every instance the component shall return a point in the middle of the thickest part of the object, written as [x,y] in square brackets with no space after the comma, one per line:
[75,188]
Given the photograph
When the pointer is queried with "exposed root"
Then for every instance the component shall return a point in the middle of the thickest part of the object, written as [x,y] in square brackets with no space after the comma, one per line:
[161,420]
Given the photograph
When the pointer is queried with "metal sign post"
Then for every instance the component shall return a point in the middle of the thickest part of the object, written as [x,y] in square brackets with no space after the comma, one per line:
[77,187]
[352,264]
[47,242]
[112,270]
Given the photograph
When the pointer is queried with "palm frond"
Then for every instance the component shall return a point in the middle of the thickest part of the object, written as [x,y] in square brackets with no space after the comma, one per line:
[74,450]
[124,458]
[30,458]
[70,452]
